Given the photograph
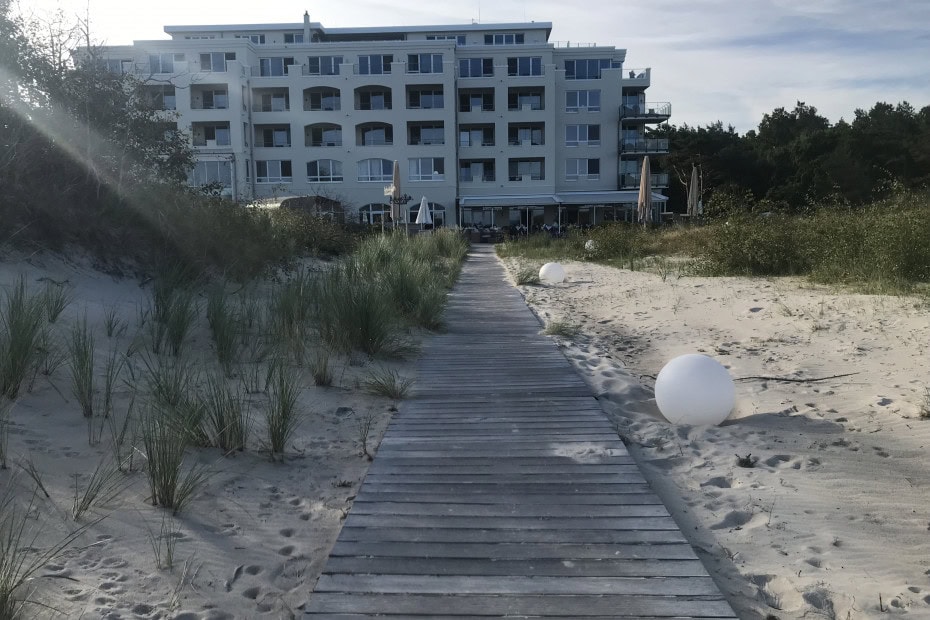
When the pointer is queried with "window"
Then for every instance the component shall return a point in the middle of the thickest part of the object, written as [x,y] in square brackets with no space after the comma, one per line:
[375,134]
[324,135]
[374,100]
[526,134]
[216,135]
[458,38]
[588,69]
[375,170]
[524,65]
[375,64]
[529,169]
[257,39]
[275,66]
[519,99]
[194,37]
[476,135]
[116,65]
[433,133]
[583,101]
[273,171]
[471,101]
[427,168]
[321,99]
[209,172]
[476,67]
[293,37]
[424,63]
[162,63]
[582,169]
[216,61]
[323,65]
[162,97]
[324,171]
[580,135]
[215,100]
[273,137]
[274,102]
[425,99]
[476,170]
[510,38]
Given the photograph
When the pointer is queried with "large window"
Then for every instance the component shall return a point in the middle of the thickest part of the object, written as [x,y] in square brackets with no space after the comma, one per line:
[375,134]
[375,64]
[163,63]
[476,100]
[581,135]
[583,101]
[526,134]
[257,39]
[273,171]
[216,61]
[215,99]
[321,98]
[373,98]
[323,134]
[426,133]
[214,135]
[458,38]
[476,67]
[276,66]
[277,101]
[526,169]
[323,65]
[582,169]
[210,172]
[371,170]
[504,38]
[425,98]
[161,97]
[324,171]
[276,136]
[587,69]
[520,98]
[293,37]
[424,63]
[524,65]
[427,168]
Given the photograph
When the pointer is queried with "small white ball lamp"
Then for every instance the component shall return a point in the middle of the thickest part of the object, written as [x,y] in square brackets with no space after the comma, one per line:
[590,245]
[695,389]
[552,272]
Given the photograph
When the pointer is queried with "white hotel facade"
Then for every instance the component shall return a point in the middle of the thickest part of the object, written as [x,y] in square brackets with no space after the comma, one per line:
[493,123]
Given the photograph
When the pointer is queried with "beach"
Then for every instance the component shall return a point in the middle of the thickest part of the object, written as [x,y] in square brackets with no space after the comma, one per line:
[832,518]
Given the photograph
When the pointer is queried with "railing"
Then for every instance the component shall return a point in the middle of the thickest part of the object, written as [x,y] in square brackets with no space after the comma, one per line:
[273,107]
[529,142]
[571,44]
[632,179]
[650,145]
[637,74]
[527,177]
[215,106]
[650,109]
[273,179]
[487,177]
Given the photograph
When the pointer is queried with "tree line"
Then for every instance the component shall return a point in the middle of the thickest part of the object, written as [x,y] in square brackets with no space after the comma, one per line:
[797,160]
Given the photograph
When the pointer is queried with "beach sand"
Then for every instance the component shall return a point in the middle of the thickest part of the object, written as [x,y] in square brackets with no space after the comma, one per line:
[257,533]
[833,520]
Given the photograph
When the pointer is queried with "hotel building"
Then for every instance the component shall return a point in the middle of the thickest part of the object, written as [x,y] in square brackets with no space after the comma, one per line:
[493,123]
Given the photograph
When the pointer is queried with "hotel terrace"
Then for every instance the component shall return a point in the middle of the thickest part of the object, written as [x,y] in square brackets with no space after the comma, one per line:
[493,123]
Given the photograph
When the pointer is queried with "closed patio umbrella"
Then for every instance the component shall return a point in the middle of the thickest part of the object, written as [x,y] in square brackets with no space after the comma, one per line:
[423,215]
[644,203]
[395,194]
[693,194]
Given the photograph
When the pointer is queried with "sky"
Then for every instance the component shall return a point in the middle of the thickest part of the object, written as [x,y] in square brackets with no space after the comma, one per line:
[714,60]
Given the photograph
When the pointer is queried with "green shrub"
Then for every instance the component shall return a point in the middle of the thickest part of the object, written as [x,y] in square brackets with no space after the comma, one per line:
[21,319]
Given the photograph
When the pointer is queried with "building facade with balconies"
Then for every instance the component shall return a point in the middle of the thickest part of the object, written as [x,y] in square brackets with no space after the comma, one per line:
[493,123]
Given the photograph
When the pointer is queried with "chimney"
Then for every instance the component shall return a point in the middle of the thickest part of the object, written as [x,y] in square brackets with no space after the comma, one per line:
[306,27]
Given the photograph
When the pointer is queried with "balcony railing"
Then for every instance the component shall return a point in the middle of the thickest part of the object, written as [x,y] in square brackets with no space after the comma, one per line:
[487,177]
[637,76]
[650,145]
[527,177]
[632,179]
[659,110]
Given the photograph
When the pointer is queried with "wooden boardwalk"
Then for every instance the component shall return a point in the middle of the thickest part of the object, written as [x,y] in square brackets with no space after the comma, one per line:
[501,490]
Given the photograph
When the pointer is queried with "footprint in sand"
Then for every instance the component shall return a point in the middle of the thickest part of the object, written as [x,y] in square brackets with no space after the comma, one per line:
[287,532]
[286,550]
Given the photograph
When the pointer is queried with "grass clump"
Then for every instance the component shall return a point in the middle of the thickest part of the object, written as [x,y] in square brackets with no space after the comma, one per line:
[21,318]
[281,416]
[105,484]
[165,442]
[388,383]
[226,415]
[563,329]
[81,353]
[6,408]
[320,368]
[526,275]
[223,322]
[55,299]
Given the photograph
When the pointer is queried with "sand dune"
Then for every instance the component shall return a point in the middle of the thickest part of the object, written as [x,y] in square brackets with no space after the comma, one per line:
[833,519]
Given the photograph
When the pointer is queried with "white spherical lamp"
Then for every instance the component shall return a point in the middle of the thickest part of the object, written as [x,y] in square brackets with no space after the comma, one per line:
[590,245]
[695,389]
[552,272]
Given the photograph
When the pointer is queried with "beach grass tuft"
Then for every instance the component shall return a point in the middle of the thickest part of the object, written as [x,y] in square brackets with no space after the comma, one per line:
[389,383]
[21,319]
[282,415]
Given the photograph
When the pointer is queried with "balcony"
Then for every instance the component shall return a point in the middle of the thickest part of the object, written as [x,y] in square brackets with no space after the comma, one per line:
[631,181]
[644,146]
[649,112]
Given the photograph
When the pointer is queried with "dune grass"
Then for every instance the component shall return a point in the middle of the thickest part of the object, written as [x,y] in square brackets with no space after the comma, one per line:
[22,316]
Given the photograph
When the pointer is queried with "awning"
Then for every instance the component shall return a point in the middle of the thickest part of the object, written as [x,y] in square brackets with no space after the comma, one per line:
[564,198]
[513,200]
